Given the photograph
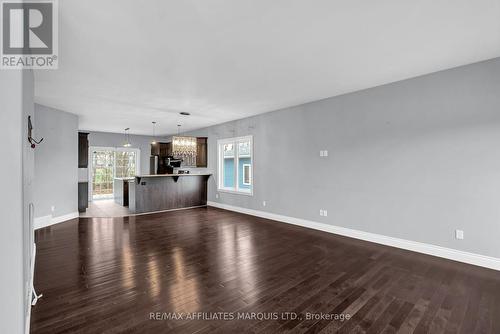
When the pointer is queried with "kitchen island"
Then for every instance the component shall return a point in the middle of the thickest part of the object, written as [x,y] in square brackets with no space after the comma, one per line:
[150,193]
[121,187]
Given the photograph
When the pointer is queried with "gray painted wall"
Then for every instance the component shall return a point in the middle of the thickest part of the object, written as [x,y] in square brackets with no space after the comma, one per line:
[56,161]
[416,159]
[143,143]
[16,103]
[28,188]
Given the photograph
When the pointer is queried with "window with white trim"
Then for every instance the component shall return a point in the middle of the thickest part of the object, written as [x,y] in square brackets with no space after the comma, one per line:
[235,165]
[247,174]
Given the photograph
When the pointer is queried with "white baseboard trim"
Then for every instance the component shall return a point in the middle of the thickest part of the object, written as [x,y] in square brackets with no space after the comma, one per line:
[45,221]
[415,246]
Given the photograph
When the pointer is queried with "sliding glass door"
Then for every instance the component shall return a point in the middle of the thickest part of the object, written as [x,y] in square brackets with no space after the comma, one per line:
[108,164]
[125,163]
[102,173]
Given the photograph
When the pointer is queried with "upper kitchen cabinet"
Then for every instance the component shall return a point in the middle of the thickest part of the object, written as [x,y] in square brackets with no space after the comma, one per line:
[201,152]
[201,159]
[83,150]
[155,149]
[161,149]
[165,149]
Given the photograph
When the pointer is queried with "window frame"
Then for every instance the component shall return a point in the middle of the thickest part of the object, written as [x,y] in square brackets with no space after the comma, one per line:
[220,163]
[249,174]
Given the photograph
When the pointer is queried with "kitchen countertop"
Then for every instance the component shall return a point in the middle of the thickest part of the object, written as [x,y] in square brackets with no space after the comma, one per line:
[167,175]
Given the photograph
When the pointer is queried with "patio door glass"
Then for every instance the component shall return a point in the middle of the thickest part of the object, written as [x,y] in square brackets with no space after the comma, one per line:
[102,173]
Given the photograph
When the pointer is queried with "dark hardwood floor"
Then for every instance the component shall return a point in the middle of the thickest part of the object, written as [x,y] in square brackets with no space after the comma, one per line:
[107,275]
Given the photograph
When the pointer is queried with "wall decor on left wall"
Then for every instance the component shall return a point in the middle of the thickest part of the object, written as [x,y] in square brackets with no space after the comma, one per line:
[32,140]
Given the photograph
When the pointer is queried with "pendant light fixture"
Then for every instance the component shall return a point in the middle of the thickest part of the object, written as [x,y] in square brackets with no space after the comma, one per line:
[183,146]
[127,138]
[154,133]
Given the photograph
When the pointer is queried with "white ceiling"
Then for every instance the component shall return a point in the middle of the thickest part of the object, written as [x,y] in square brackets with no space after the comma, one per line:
[125,63]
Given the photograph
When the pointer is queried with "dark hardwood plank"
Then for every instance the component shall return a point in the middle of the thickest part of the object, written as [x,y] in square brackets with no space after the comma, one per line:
[106,275]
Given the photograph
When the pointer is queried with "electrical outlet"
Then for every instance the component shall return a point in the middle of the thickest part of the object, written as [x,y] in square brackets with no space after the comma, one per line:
[325,153]
[325,213]
[216,195]
[459,234]
[321,212]
[321,153]
[264,203]
[53,208]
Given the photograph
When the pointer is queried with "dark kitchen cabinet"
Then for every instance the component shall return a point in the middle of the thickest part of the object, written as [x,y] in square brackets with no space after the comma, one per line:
[83,196]
[161,149]
[83,150]
[201,152]
[165,149]
[155,149]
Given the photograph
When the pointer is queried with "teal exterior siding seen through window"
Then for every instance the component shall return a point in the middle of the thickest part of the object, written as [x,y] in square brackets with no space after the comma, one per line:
[243,161]
[228,172]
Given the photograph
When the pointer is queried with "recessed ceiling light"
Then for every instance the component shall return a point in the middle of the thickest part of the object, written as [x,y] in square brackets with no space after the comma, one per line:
[184,113]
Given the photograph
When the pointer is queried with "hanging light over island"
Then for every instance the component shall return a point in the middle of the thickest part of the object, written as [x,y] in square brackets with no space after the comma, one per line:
[183,146]
[127,138]
[154,133]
